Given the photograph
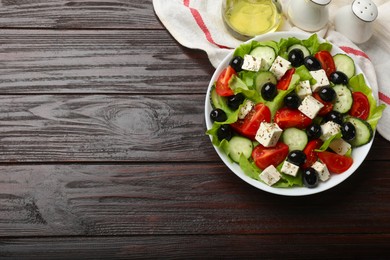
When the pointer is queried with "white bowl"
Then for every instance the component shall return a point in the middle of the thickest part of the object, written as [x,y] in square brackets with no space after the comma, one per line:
[358,154]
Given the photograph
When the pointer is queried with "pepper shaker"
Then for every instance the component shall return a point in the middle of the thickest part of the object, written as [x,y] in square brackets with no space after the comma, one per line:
[309,15]
[355,21]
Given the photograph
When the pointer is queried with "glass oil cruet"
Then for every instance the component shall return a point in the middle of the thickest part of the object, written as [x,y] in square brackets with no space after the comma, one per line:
[247,18]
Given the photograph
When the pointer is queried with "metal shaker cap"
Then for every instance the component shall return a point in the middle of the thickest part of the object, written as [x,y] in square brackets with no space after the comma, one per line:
[365,10]
[321,2]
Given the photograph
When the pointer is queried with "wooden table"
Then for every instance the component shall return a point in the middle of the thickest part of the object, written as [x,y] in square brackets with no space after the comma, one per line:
[104,155]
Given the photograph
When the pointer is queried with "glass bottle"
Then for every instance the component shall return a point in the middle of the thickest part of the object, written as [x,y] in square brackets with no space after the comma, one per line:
[247,18]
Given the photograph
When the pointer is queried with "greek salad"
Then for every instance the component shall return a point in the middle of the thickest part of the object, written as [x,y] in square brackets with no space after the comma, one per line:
[290,113]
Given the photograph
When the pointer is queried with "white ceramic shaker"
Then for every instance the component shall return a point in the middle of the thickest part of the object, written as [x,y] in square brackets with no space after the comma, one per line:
[355,22]
[309,15]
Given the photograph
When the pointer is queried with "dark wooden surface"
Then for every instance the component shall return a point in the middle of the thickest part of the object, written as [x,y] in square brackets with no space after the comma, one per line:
[103,153]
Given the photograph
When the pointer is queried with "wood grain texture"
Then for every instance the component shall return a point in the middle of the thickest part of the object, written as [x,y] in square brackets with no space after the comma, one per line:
[299,246]
[180,199]
[59,14]
[76,128]
[110,61]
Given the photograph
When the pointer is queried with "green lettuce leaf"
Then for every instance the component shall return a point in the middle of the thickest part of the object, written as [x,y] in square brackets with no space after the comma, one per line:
[287,180]
[326,144]
[278,101]
[238,86]
[313,44]
[249,168]
[358,83]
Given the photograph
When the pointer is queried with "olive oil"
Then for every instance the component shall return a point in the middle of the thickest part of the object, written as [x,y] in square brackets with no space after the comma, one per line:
[248,18]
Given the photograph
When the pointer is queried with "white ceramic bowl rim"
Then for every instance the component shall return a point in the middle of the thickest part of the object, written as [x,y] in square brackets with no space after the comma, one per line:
[358,154]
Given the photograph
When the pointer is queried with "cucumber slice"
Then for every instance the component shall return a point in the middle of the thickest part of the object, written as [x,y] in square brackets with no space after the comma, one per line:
[345,64]
[267,53]
[364,132]
[344,99]
[239,145]
[295,138]
[305,51]
[264,77]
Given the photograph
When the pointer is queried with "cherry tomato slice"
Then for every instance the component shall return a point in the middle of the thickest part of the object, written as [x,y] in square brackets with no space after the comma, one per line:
[266,156]
[222,86]
[284,82]
[328,106]
[250,124]
[311,154]
[336,163]
[288,117]
[327,62]
[360,106]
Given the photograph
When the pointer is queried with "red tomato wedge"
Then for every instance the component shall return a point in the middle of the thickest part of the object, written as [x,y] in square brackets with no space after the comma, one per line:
[287,117]
[360,106]
[284,82]
[266,156]
[311,154]
[222,86]
[328,106]
[250,124]
[336,163]
[327,62]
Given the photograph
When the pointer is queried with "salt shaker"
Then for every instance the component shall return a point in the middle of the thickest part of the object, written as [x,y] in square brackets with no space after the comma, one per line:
[355,22]
[309,15]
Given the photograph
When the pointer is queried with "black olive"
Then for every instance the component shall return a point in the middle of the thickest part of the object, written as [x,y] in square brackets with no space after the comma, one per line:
[348,130]
[269,91]
[236,63]
[312,63]
[338,77]
[224,132]
[235,101]
[218,115]
[296,57]
[310,177]
[334,116]
[327,94]
[292,100]
[314,131]
[296,157]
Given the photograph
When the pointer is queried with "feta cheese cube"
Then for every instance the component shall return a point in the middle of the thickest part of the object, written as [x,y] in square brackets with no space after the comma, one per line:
[339,146]
[290,168]
[270,175]
[321,78]
[245,109]
[323,172]
[303,89]
[251,63]
[310,106]
[279,67]
[268,134]
[329,129]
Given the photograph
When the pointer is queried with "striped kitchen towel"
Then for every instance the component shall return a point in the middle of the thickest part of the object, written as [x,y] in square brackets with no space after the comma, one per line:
[198,24]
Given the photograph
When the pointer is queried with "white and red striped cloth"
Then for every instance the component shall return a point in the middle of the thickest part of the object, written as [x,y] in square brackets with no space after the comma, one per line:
[198,24]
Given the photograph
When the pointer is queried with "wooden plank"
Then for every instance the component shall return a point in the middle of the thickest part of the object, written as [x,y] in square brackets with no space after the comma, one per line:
[103,61]
[59,14]
[63,128]
[298,246]
[107,128]
[178,199]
